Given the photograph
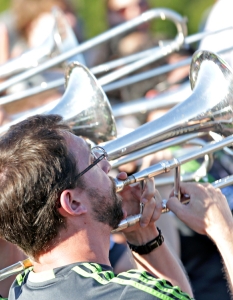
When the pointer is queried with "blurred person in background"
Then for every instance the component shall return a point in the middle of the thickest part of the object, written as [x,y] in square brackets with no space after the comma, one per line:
[25,26]
[135,40]
[29,27]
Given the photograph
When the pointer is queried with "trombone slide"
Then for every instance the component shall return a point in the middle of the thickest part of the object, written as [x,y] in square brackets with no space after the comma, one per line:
[166,166]
[131,220]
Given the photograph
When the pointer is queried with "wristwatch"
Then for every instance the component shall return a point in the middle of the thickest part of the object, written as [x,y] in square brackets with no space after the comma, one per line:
[150,246]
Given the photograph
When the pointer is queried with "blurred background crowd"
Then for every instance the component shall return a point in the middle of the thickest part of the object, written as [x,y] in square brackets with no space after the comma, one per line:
[28,24]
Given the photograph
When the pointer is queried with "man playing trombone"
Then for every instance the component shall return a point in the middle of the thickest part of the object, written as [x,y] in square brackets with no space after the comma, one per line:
[59,205]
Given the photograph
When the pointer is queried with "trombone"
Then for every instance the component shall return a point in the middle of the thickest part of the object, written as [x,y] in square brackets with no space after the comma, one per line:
[120,83]
[193,139]
[166,166]
[163,13]
[59,41]
[208,108]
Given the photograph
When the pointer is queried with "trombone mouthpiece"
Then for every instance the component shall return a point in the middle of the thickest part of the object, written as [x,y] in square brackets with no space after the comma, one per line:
[130,221]
[120,184]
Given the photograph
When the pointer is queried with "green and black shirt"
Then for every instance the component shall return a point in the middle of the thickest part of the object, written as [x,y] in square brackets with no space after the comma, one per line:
[91,281]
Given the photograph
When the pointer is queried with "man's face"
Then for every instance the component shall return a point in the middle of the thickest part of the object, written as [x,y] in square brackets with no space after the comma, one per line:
[105,204]
[125,10]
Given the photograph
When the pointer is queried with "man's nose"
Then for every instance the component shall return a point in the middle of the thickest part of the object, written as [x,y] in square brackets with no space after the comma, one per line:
[105,165]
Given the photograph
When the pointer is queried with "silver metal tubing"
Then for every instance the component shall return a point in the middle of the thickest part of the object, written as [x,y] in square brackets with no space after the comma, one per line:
[155,148]
[200,173]
[163,100]
[221,183]
[209,108]
[106,67]
[166,166]
[15,269]
[109,87]
[46,86]
[145,17]
[145,58]
[151,73]
[146,75]
[59,41]
[113,64]
[160,52]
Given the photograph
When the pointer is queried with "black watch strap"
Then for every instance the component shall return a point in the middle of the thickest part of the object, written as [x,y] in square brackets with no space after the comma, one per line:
[150,246]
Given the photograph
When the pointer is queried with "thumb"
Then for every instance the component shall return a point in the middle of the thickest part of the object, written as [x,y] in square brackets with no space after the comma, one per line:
[174,205]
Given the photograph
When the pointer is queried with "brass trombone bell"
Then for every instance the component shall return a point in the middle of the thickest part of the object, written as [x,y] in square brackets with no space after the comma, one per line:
[208,108]
[84,106]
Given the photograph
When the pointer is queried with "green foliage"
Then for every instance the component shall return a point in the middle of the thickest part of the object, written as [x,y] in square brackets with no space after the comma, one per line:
[4,4]
[193,10]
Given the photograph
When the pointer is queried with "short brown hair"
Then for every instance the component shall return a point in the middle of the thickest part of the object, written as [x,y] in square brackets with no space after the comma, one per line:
[35,167]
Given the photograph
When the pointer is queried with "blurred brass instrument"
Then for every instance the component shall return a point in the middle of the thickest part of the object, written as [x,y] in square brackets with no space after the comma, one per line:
[134,106]
[91,117]
[134,62]
[59,41]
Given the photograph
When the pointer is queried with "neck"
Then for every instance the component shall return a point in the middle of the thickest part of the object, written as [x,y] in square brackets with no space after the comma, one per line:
[82,246]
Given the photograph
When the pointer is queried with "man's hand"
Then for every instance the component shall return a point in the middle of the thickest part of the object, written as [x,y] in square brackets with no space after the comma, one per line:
[132,197]
[207,211]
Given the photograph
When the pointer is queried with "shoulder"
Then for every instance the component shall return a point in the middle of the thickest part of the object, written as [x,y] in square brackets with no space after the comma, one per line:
[94,281]
[132,282]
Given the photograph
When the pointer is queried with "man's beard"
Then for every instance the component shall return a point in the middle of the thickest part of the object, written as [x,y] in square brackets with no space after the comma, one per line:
[106,210]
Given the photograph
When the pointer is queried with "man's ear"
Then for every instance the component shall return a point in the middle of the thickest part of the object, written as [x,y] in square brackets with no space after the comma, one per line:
[70,205]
